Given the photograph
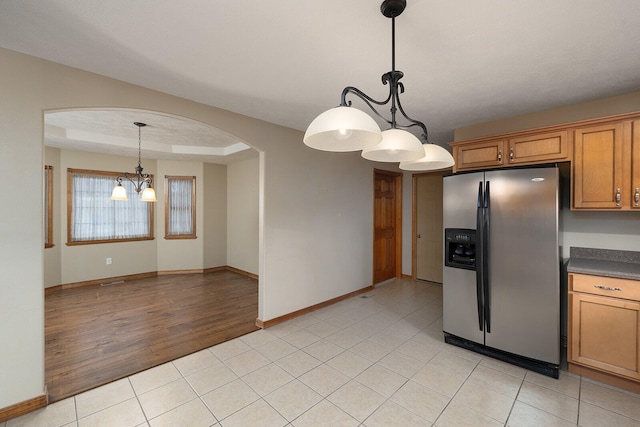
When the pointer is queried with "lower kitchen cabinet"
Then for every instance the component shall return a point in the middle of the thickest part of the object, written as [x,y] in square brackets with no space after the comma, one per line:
[604,327]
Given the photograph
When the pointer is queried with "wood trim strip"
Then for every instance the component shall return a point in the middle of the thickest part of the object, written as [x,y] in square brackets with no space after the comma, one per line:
[60,287]
[244,273]
[99,281]
[604,377]
[398,229]
[214,269]
[24,407]
[168,272]
[272,322]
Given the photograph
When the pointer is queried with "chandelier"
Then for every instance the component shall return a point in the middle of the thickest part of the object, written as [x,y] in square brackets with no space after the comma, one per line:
[138,180]
[345,128]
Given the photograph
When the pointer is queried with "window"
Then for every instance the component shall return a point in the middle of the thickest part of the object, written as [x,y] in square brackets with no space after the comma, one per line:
[48,206]
[180,207]
[92,217]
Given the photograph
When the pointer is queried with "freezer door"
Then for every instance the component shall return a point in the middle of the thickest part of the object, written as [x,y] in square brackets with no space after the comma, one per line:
[524,263]
[460,303]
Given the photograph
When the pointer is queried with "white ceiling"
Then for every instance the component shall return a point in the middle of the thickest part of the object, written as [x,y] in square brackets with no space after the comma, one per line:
[286,61]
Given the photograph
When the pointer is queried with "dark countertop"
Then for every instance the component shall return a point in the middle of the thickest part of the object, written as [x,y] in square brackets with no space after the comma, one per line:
[605,262]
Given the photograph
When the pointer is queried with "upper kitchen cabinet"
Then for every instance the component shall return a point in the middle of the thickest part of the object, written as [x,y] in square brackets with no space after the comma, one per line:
[605,171]
[635,166]
[522,148]
[536,148]
[478,155]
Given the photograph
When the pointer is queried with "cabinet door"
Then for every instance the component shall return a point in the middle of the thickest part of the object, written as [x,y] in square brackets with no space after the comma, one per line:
[635,166]
[539,148]
[597,167]
[479,155]
[604,334]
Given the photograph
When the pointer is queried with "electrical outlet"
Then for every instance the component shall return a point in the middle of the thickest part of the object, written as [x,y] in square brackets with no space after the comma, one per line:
[108,261]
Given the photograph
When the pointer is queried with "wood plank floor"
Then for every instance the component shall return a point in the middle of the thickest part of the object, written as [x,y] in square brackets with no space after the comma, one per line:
[97,334]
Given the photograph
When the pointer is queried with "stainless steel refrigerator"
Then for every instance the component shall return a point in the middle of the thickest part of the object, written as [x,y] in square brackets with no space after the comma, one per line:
[501,279]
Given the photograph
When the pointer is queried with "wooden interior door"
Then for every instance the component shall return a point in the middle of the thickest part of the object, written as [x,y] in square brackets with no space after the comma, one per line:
[387,225]
[428,231]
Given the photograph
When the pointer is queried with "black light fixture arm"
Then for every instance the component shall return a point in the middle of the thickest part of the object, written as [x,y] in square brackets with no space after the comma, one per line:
[390,9]
[141,178]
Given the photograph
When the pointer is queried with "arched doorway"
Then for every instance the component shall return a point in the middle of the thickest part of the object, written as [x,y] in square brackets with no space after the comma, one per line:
[226,173]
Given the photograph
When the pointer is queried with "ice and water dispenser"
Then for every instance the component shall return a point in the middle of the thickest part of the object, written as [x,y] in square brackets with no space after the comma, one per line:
[460,248]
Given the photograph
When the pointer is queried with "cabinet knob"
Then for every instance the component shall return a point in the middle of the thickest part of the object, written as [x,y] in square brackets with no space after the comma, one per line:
[500,156]
[618,196]
[636,198]
[511,155]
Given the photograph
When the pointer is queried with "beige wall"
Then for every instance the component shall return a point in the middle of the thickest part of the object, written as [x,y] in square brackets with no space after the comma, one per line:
[180,254]
[242,215]
[69,264]
[214,230]
[315,219]
[586,110]
[87,262]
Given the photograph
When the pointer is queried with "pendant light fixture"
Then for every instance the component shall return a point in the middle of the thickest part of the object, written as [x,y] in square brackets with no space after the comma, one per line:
[138,180]
[345,128]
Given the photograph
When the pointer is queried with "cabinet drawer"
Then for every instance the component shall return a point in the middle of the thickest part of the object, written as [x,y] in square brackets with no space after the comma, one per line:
[606,286]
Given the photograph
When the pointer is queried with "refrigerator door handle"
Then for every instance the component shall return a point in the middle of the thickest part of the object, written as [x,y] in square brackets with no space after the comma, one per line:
[485,257]
[479,256]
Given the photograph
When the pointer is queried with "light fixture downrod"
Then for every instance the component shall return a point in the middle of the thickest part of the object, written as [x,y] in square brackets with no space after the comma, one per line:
[345,128]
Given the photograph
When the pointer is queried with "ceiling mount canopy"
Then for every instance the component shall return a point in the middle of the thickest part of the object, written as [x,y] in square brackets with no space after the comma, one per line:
[138,180]
[345,128]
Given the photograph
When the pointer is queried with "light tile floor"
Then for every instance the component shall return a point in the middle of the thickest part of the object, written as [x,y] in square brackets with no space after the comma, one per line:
[373,360]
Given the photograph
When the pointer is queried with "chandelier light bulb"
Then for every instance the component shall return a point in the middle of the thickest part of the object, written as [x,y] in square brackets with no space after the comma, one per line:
[343,134]
[148,195]
[342,129]
[397,145]
[119,193]
[435,158]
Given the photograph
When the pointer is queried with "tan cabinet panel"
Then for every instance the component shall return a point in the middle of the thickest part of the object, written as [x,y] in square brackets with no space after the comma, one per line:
[604,334]
[597,167]
[479,155]
[538,148]
[635,166]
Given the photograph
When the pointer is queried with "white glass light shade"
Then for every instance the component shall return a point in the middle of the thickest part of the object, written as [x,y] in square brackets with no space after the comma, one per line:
[148,195]
[397,145]
[342,129]
[435,158]
[119,193]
